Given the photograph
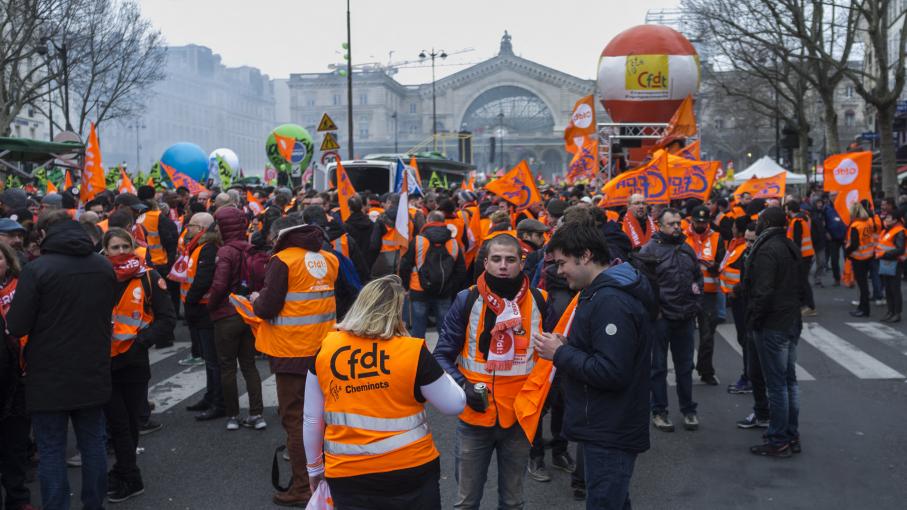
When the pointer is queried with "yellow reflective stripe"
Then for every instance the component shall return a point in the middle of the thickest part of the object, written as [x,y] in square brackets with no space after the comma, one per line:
[378,447]
[372,423]
[474,315]
[303,320]
[308,296]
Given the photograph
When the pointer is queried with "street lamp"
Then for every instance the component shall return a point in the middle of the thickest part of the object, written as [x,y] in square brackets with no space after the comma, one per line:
[138,145]
[61,53]
[501,135]
[434,111]
[394,116]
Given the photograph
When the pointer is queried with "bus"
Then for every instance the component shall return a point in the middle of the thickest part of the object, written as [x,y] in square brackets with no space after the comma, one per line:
[376,172]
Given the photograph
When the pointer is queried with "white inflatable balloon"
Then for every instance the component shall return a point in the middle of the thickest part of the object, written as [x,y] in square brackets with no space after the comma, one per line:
[228,156]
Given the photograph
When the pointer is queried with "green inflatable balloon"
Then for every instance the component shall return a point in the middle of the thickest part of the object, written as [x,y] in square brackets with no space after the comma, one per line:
[289,146]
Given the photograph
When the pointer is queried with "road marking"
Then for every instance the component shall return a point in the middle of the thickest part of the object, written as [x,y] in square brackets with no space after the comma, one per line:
[174,390]
[885,334]
[268,394]
[158,355]
[729,333]
[846,354]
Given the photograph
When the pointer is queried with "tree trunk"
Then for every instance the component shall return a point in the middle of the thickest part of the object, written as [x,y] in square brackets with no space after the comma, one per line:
[832,140]
[802,162]
[6,121]
[889,164]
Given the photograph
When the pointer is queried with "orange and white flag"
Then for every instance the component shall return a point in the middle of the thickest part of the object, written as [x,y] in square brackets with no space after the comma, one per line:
[345,191]
[126,185]
[516,186]
[581,125]
[254,205]
[93,180]
[767,187]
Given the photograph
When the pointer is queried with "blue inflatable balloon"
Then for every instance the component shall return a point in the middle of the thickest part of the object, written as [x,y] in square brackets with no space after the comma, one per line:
[187,158]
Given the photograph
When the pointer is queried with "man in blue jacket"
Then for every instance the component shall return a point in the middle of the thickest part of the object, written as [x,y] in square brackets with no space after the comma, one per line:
[604,361]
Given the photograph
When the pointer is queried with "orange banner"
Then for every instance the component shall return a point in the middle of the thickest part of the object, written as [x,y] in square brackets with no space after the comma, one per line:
[67,180]
[691,151]
[585,162]
[581,124]
[850,176]
[768,187]
[51,188]
[516,186]
[649,180]
[345,191]
[691,179]
[254,205]
[126,185]
[285,145]
[92,173]
[180,179]
[682,123]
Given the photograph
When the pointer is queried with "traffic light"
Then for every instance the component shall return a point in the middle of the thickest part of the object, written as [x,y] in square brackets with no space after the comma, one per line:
[346,56]
[790,139]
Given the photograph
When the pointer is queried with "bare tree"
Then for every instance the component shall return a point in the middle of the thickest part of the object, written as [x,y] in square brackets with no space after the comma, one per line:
[25,78]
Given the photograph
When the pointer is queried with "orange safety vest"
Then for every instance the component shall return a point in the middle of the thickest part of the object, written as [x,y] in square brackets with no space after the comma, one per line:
[190,274]
[422,244]
[342,245]
[806,241]
[886,242]
[374,213]
[456,227]
[611,215]
[503,385]
[151,221]
[373,422]
[634,231]
[130,316]
[706,248]
[103,226]
[7,293]
[309,310]
[866,249]
[729,276]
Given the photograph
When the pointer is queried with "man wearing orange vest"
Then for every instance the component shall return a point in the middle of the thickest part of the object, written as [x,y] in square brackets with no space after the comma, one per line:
[486,341]
[800,232]
[710,251]
[298,308]
[604,361]
[637,224]
[890,252]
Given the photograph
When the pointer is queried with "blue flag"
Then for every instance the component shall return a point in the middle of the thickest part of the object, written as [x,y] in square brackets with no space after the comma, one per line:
[412,183]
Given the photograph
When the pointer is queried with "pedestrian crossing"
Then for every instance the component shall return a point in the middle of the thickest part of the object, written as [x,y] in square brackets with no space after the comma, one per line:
[819,348]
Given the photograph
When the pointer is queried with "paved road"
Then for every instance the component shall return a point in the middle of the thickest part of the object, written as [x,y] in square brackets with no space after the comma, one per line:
[854,444]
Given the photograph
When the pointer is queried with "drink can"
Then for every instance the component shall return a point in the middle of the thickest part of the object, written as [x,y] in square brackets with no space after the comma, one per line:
[482,389]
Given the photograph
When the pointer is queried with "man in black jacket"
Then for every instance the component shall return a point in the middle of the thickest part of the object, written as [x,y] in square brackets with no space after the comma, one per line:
[63,302]
[359,227]
[773,293]
[604,361]
[680,294]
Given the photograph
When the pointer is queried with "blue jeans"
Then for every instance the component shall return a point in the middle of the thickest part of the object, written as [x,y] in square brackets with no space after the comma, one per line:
[421,309]
[721,312]
[474,448]
[608,474]
[678,335]
[778,357]
[50,433]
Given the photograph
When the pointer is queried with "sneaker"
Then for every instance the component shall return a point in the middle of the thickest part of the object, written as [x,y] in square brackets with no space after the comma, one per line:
[537,470]
[564,462]
[75,460]
[855,303]
[691,421]
[113,484]
[149,427]
[879,302]
[808,312]
[741,387]
[191,361]
[752,422]
[254,422]
[711,380]
[662,422]
[126,490]
[579,494]
[770,450]
[795,446]
[233,423]
[286,456]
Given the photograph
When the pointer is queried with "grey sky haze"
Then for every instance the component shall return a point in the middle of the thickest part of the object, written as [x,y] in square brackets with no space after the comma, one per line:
[282,37]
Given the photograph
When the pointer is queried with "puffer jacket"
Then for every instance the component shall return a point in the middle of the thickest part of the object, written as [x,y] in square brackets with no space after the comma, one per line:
[232,224]
[772,283]
[677,271]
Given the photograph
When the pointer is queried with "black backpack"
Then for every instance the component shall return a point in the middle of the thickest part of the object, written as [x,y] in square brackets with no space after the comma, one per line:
[437,269]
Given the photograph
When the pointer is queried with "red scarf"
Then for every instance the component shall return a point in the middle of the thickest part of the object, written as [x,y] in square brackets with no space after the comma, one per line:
[634,230]
[507,329]
[127,266]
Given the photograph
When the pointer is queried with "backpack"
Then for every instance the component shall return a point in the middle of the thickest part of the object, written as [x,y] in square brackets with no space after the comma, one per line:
[647,265]
[437,269]
[252,271]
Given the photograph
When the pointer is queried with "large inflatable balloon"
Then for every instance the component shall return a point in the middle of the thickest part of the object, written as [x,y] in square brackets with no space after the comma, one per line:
[188,159]
[222,162]
[289,146]
[645,72]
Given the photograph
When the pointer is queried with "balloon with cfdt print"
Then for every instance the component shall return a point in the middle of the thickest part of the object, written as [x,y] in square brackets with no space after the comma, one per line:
[289,146]
[187,158]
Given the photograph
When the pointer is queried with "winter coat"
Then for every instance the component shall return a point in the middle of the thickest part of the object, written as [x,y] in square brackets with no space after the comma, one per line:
[197,315]
[132,366]
[333,230]
[232,224]
[605,364]
[435,233]
[817,229]
[772,282]
[169,240]
[677,271]
[359,227]
[835,227]
[63,302]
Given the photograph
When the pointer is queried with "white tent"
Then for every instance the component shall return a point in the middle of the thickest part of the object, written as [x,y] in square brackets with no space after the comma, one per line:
[766,167]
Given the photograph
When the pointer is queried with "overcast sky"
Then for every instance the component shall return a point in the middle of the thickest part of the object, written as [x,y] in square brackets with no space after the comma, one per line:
[283,36]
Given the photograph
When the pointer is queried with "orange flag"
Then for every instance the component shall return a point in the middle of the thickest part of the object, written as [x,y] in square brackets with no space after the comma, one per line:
[691,151]
[682,123]
[180,179]
[585,161]
[126,185]
[768,187]
[150,181]
[51,188]
[516,186]
[92,173]
[412,163]
[581,124]
[849,175]
[285,146]
[691,179]
[649,180]
[67,179]
[254,205]
[530,400]
[345,191]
